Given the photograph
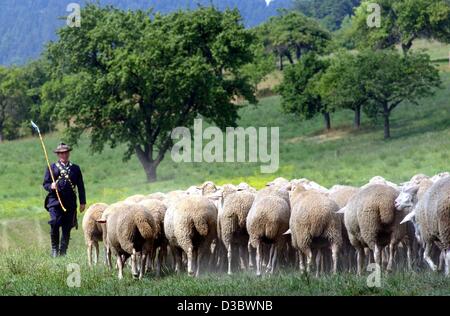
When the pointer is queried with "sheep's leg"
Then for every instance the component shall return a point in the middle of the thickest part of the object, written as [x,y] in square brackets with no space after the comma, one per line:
[447,262]
[427,258]
[258,258]
[108,258]
[391,257]
[269,261]
[143,263]
[97,252]
[273,263]
[250,258]
[377,255]
[201,252]
[308,253]
[178,257]
[441,260]
[230,257]
[301,262]
[89,253]
[243,257]
[335,257]
[360,260]
[159,259]
[318,259]
[134,268]
[190,263]
[408,256]
[120,266]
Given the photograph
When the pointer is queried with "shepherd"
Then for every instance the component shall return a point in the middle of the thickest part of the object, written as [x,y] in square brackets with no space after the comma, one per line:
[61,181]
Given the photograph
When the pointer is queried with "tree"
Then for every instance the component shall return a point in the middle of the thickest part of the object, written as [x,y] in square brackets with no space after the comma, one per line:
[128,78]
[13,102]
[263,62]
[298,89]
[390,79]
[402,21]
[330,12]
[294,32]
[342,85]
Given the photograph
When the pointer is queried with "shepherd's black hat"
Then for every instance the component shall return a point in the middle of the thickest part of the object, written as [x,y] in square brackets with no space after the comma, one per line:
[62,148]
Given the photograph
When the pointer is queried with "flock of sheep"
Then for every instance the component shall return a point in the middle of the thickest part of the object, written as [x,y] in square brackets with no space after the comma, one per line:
[288,223]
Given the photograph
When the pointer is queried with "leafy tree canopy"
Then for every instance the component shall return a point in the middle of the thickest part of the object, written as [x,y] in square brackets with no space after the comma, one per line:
[131,79]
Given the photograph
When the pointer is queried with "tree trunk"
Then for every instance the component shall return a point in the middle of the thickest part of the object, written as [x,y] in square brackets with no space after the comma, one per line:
[148,163]
[387,127]
[298,52]
[357,120]
[289,57]
[150,171]
[406,47]
[327,119]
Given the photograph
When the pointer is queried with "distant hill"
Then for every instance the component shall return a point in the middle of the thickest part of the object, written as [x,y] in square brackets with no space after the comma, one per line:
[26,25]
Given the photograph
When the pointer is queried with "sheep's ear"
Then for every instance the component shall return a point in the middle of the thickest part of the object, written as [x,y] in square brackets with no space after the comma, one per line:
[408,217]
[341,211]
[288,232]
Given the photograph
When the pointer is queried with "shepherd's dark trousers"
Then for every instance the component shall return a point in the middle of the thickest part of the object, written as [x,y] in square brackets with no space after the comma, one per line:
[65,221]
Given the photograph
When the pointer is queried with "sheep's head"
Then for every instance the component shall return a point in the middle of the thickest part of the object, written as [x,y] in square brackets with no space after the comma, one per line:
[407,197]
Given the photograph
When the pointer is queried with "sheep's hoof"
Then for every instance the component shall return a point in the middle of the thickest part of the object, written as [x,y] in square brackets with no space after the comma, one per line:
[230,273]
[136,276]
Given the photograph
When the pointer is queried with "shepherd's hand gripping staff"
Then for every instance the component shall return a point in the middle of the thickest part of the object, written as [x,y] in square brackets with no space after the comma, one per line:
[48,162]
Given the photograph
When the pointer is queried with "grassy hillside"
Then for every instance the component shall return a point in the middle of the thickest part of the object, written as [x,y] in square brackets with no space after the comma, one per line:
[420,144]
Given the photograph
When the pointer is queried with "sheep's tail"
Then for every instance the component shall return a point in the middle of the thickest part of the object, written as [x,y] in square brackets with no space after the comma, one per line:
[201,226]
[144,225]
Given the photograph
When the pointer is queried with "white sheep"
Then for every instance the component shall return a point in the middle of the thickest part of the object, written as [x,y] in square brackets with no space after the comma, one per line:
[371,219]
[232,220]
[158,210]
[93,232]
[314,223]
[190,225]
[131,230]
[432,213]
[267,220]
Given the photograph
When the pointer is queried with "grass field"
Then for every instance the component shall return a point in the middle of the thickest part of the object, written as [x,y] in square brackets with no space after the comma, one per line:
[420,144]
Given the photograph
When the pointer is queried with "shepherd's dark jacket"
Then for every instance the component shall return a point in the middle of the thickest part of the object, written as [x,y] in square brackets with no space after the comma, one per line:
[66,191]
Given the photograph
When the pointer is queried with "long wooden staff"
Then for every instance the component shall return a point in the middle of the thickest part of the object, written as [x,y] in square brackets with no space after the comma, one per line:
[48,163]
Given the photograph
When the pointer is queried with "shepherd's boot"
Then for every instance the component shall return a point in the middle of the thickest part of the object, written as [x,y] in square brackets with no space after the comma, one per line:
[54,237]
[64,242]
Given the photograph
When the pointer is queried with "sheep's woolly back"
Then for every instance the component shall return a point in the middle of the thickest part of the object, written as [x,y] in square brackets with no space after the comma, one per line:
[342,194]
[135,198]
[131,228]
[313,216]
[158,196]
[158,211]
[195,214]
[272,191]
[268,219]
[91,228]
[233,218]
[370,216]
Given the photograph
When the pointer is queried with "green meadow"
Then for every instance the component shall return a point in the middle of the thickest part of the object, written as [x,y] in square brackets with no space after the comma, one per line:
[420,144]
